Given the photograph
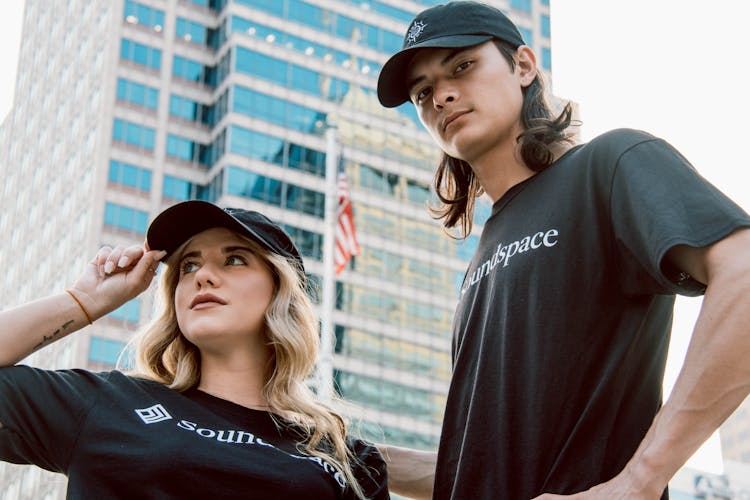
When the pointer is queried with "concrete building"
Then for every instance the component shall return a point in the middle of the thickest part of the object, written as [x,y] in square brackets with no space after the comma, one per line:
[124,107]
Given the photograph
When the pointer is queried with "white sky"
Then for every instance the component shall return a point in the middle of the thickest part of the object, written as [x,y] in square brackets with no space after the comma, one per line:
[675,68]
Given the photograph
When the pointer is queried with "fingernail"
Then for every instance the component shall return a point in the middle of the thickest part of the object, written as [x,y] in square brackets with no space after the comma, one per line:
[160,255]
[109,267]
[124,261]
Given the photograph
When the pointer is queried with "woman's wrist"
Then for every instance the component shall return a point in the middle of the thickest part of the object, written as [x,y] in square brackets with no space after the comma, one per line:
[80,305]
[90,307]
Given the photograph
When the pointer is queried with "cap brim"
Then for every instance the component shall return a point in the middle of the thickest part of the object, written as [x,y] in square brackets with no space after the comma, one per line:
[178,223]
[392,89]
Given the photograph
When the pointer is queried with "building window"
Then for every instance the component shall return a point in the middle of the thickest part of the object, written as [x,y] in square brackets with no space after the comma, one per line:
[136,13]
[137,93]
[105,351]
[188,109]
[400,354]
[140,54]
[271,149]
[289,75]
[545,26]
[187,150]
[527,35]
[390,396]
[546,58]
[377,304]
[190,31]
[131,133]
[310,244]
[331,22]
[390,11]
[129,175]
[306,159]
[303,45]
[130,311]
[191,70]
[417,192]
[374,179]
[126,218]
[377,433]
[279,111]
[523,5]
[180,189]
[241,182]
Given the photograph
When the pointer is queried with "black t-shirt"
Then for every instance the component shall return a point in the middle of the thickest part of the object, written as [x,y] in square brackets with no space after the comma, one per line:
[116,436]
[562,327]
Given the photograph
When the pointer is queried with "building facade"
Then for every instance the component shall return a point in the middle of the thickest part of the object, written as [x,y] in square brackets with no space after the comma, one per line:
[124,107]
[735,435]
[732,484]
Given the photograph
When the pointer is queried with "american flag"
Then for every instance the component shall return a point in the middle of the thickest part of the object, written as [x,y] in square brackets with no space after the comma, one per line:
[346,244]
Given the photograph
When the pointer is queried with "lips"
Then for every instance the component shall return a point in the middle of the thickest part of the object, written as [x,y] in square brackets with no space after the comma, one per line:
[451,117]
[206,298]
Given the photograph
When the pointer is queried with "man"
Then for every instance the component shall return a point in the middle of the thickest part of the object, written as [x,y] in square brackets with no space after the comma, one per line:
[562,327]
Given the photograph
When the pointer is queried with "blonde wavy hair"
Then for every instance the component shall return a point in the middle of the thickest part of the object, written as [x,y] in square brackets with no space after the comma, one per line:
[162,353]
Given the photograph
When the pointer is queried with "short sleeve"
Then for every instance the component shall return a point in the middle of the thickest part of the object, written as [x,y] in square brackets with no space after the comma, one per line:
[369,469]
[658,201]
[41,413]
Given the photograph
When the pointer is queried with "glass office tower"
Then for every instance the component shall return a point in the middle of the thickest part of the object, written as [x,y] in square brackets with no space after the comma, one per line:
[125,107]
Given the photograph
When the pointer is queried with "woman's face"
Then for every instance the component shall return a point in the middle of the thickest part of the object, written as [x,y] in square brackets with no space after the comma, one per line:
[223,291]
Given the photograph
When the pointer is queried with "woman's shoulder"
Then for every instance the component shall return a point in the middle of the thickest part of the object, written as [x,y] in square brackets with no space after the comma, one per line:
[73,377]
[66,375]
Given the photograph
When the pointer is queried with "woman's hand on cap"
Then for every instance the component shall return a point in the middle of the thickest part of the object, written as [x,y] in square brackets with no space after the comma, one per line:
[114,276]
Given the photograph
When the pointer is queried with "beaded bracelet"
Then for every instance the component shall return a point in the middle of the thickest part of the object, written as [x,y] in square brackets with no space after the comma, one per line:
[88,316]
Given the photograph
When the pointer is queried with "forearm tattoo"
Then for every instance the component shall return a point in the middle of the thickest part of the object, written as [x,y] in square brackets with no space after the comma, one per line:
[54,335]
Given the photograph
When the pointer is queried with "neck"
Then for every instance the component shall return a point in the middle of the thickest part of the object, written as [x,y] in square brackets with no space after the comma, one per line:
[502,168]
[499,169]
[235,378]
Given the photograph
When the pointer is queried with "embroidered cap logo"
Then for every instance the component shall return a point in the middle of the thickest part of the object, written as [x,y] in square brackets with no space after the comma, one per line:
[415,30]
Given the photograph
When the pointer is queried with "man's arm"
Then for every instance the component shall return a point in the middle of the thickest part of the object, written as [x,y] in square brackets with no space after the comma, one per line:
[715,377]
[411,473]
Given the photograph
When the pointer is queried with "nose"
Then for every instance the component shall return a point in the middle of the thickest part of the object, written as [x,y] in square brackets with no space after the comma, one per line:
[443,94]
[206,276]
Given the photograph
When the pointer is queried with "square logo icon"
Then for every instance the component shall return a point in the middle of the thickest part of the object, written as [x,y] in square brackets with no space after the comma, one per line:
[153,414]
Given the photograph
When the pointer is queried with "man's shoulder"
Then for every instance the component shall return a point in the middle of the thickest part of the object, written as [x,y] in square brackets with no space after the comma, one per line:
[619,140]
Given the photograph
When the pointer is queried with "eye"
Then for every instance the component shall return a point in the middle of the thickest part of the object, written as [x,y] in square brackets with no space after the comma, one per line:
[236,260]
[463,66]
[421,94]
[188,267]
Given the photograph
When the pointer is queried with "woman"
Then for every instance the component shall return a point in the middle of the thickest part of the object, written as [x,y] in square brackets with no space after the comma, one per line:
[218,405]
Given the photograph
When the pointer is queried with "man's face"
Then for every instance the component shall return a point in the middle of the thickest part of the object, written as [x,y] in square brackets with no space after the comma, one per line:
[469,99]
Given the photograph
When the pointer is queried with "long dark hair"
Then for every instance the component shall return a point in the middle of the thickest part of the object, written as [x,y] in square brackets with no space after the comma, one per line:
[456,185]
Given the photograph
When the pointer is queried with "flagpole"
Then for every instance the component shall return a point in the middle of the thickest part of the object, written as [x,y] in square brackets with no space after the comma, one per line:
[325,364]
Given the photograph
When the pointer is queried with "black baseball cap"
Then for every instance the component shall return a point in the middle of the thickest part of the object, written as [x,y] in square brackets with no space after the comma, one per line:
[180,222]
[454,24]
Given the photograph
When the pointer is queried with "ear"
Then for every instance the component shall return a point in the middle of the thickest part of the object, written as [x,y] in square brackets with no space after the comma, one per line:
[526,65]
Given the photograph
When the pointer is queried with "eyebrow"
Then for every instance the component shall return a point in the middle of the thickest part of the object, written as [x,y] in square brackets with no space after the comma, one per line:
[447,59]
